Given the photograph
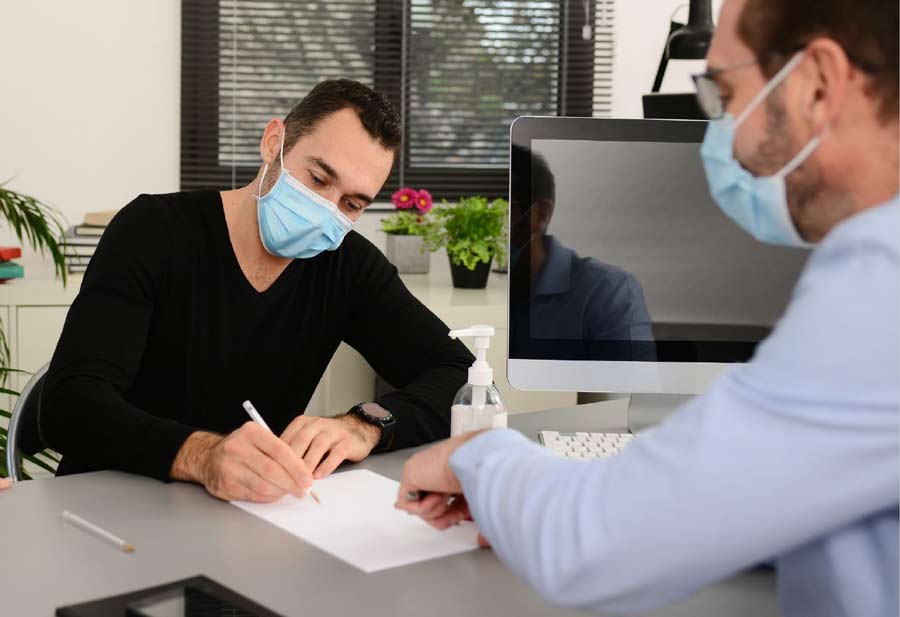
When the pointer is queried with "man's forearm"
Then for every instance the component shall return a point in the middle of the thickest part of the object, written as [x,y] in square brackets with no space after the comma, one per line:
[190,462]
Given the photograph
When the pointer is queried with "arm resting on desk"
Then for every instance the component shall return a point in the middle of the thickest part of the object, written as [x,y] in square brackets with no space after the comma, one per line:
[408,346]
[795,445]
[84,414]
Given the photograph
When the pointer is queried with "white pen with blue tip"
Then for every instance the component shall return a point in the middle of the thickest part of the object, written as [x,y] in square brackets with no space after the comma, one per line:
[254,415]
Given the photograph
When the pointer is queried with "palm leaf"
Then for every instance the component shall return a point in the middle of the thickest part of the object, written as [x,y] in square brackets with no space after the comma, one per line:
[4,356]
[50,454]
[36,223]
[34,460]
[5,369]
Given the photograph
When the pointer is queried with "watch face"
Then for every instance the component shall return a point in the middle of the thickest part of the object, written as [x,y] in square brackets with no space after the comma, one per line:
[376,410]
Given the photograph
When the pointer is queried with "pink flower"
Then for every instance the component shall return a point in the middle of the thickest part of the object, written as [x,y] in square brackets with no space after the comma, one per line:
[424,204]
[405,198]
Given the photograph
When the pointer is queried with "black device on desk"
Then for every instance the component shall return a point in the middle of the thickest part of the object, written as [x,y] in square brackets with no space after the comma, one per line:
[192,597]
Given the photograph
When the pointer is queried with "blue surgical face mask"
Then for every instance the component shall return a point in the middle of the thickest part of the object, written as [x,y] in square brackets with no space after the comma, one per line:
[757,204]
[295,221]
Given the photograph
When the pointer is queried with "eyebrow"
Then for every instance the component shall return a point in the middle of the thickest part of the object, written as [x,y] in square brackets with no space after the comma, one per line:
[329,170]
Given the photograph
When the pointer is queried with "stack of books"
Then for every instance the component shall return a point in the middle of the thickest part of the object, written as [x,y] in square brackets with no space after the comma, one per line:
[80,241]
[8,268]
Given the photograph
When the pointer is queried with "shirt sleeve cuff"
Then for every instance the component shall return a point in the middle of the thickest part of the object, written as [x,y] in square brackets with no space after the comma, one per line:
[156,454]
[468,458]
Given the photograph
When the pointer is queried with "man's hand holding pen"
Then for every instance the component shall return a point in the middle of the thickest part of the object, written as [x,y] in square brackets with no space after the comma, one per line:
[430,489]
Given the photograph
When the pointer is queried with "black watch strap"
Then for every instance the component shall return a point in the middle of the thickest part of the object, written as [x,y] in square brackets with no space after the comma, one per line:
[375,414]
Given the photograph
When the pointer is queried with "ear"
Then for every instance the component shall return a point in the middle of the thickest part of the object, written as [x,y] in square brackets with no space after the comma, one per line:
[541,213]
[830,75]
[270,144]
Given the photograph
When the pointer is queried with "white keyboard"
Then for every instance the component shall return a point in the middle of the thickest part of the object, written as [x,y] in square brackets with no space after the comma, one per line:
[585,446]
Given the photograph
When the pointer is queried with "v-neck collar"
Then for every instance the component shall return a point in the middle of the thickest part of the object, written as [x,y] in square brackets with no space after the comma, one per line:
[235,265]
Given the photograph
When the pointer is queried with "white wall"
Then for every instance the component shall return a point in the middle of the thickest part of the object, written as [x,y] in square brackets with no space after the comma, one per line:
[641,30]
[89,115]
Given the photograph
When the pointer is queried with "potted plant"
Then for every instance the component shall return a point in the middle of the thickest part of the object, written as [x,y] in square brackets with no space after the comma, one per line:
[405,229]
[40,225]
[474,233]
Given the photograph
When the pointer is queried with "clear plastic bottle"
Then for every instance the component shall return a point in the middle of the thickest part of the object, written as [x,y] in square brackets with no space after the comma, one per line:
[477,405]
[475,408]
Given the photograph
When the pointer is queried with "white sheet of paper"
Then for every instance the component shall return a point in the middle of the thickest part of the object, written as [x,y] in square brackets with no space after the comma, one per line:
[357,523]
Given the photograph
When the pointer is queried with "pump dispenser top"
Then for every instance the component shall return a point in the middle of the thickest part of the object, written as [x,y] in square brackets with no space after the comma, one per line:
[480,374]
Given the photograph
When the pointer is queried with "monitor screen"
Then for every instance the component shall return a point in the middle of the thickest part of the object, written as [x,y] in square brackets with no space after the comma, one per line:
[618,252]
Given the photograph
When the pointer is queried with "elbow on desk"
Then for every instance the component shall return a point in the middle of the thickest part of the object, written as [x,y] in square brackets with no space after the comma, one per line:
[50,415]
[577,588]
[58,420]
[574,587]
[576,562]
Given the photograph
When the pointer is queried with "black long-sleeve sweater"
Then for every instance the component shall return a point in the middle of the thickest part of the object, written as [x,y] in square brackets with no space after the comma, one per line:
[167,336]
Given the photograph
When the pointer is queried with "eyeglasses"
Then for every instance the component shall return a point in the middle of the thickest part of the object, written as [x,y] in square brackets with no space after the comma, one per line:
[709,95]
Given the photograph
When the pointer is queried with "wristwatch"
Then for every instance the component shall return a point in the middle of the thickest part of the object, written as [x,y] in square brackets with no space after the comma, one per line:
[375,414]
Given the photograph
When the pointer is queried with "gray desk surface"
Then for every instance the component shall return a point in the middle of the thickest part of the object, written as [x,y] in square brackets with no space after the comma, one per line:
[180,531]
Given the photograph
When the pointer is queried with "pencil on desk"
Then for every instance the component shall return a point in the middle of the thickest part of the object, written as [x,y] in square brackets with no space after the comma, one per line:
[97,531]
[254,415]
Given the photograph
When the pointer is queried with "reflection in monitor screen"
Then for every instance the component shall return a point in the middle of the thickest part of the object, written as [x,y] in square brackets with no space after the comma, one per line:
[628,255]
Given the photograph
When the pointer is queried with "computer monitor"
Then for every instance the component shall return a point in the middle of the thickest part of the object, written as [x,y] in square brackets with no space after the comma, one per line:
[624,274]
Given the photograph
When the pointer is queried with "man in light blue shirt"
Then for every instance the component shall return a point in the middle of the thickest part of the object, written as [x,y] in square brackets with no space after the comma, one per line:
[572,297]
[793,457]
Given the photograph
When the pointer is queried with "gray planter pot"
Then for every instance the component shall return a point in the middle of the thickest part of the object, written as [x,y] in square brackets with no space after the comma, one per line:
[408,254]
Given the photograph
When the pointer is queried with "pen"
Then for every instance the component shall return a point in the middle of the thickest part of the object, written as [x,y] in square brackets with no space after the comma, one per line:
[97,531]
[419,495]
[254,415]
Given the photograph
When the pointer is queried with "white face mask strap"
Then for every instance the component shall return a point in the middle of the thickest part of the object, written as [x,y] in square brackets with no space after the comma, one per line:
[801,156]
[769,87]
[261,178]
[266,168]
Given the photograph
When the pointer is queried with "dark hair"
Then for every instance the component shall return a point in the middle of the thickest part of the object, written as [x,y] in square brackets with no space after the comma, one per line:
[543,185]
[867,30]
[374,110]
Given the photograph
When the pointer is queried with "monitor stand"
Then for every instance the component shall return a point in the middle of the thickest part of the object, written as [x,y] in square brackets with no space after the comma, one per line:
[645,410]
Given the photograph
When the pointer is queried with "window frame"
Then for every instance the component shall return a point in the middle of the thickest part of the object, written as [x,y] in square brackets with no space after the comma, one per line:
[200,32]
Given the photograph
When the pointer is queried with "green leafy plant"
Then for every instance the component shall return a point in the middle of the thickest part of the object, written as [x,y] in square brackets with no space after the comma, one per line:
[41,226]
[404,223]
[472,231]
[37,223]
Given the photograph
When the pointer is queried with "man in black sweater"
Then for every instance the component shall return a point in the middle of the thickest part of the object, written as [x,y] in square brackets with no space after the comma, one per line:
[197,301]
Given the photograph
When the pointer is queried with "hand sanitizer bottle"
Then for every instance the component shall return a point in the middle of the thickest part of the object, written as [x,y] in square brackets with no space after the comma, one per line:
[477,405]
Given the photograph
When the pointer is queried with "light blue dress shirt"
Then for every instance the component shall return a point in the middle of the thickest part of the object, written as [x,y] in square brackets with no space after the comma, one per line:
[582,298]
[794,456]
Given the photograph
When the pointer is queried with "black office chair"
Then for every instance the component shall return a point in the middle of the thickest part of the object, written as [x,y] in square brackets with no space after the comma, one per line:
[24,436]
